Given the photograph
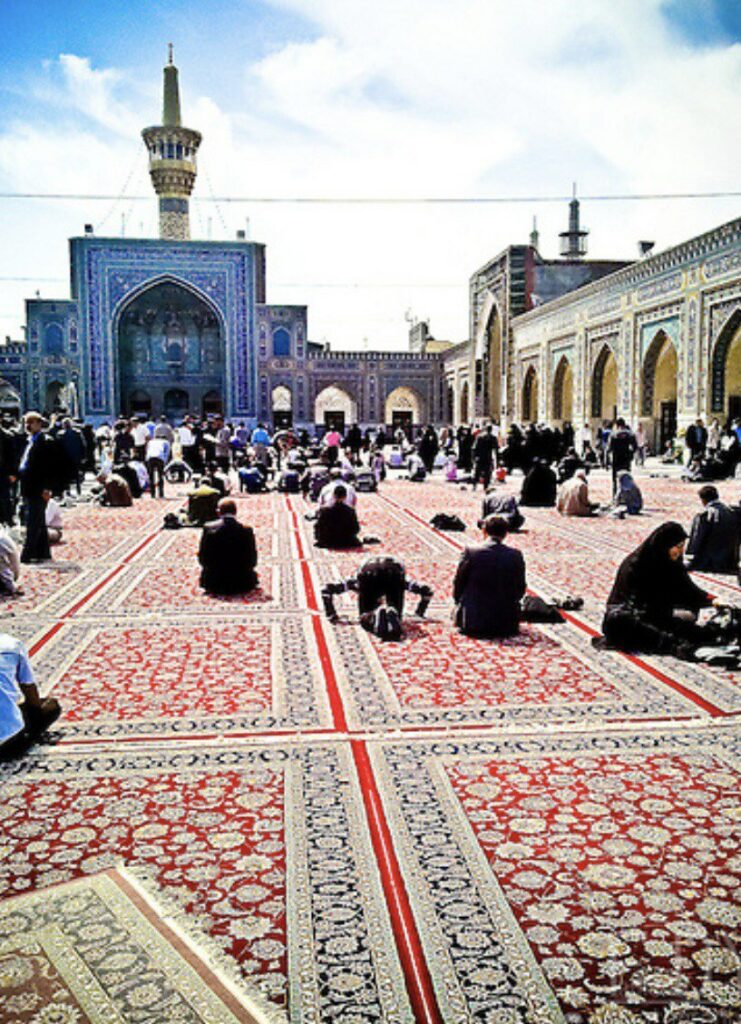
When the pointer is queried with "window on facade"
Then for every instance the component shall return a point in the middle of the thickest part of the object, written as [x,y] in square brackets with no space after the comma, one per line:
[281,342]
[54,340]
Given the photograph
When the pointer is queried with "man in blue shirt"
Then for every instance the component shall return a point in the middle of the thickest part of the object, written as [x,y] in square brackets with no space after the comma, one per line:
[24,714]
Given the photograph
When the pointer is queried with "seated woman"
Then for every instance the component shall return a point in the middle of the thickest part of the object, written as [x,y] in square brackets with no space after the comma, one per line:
[653,604]
[489,585]
[539,486]
[628,494]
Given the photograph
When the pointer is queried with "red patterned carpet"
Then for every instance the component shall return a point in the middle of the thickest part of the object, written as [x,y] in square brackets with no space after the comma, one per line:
[248,813]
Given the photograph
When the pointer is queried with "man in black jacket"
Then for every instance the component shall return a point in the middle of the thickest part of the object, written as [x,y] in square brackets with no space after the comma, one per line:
[714,535]
[227,553]
[337,525]
[38,471]
[489,585]
[620,449]
[8,473]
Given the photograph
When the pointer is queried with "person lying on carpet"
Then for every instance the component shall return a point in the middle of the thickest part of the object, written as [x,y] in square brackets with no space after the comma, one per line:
[489,585]
[337,524]
[227,553]
[654,604]
[381,584]
[24,715]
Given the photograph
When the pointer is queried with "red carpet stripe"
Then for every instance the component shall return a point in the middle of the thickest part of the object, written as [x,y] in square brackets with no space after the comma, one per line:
[408,943]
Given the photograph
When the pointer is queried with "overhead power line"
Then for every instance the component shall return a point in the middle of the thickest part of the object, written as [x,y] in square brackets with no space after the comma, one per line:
[382,200]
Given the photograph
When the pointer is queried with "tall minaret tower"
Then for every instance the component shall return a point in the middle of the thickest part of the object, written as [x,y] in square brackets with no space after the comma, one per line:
[172,160]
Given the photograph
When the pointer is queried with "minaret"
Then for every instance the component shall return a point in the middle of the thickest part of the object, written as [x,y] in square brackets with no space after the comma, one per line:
[574,241]
[535,235]
[172,160]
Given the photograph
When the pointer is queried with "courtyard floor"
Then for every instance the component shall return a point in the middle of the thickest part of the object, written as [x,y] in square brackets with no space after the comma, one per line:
[246,813]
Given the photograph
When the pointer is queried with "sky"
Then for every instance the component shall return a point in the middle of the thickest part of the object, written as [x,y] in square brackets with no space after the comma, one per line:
[384,99]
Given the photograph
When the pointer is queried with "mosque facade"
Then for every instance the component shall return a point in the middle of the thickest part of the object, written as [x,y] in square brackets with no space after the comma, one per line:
[174,326]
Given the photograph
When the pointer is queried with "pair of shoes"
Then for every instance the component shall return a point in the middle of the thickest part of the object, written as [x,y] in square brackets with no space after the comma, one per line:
[719,657]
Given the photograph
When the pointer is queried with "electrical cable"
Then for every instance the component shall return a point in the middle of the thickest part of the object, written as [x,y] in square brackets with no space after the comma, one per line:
[384,200]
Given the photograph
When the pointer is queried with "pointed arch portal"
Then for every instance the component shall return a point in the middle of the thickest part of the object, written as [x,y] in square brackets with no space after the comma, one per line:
[563,391]
[605,385]
[659,390]
[726,369]
[170,341]
[530,396]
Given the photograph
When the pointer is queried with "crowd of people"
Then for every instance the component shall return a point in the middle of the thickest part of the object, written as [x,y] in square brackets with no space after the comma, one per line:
[653,607]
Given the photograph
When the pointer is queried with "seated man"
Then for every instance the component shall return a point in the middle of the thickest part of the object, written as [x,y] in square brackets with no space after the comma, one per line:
[116,492]
[714,536]
[489,585]
[129,474]
[227,553]
[53,518]
[381,583]
[252,478]
[569,465]
[10,564]
[504,506]
[573,496]
[416,467]
[539,486]
[24,715]
[337,525]
[327,495]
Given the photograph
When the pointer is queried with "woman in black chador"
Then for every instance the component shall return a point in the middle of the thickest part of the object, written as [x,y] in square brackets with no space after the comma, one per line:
[653,604]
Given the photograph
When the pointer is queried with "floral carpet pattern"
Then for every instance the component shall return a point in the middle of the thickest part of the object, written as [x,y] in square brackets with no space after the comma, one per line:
[249,813]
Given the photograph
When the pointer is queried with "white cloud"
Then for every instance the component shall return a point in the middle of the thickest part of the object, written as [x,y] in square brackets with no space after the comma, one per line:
[421,98]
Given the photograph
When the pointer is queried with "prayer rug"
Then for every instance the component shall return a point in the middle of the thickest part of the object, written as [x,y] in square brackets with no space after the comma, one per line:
[167,678]
[547,674]
[95,951]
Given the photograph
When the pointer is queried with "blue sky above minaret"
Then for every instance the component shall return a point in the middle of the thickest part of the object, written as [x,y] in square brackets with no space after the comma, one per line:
[370,97]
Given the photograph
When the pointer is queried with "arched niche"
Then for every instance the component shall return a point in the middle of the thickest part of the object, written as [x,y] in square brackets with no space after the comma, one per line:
[563,391]
[53,340]
[605,385]
[282,407]
[335,408]
[55,397]
[493,363]
[281,342]
[659,375]
[530,396]
[725,383]
[403,409]
[170,339]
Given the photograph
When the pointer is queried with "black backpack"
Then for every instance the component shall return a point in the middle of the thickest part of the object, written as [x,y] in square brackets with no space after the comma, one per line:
[444,521]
